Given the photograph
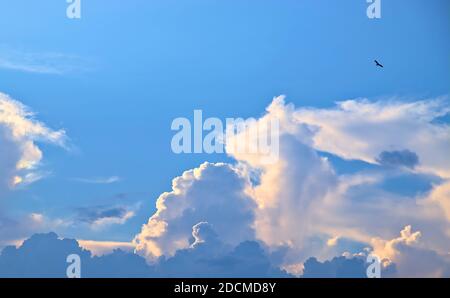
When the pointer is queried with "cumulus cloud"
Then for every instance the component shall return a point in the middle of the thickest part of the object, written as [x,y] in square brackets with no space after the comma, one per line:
[208,256]
[311,200]
[252,218]
[214,193]
[362,130]
[293,187]
[411,258]
[203,233]
[19,134]
[299,206]
[388,249]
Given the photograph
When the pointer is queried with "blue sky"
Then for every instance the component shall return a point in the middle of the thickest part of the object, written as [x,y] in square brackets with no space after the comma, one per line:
[115,79]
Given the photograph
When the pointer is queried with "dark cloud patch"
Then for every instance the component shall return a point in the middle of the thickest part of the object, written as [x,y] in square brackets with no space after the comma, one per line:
[403,158]
[92,214]
[337,267]
[341,267]
[248,259]
[44,255]
[119,264]
[209,257]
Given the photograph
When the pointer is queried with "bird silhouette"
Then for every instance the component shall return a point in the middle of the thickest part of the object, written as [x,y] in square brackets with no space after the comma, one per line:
[378,63]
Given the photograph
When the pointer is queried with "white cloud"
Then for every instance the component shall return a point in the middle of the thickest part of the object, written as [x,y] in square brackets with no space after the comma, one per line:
[361,129]
[212,193]
[411,258]
[388,248]
[98,180]
[293,189]
[299,202]
[302,202]
[19,134]
[40,63]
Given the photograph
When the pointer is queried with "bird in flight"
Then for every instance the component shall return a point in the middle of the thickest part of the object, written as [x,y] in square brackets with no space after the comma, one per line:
[378,63]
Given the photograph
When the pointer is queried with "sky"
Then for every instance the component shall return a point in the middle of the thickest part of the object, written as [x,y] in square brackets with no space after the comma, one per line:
[104,90]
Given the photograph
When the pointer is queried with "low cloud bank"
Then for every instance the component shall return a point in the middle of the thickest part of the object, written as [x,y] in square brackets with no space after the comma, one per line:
[44,255]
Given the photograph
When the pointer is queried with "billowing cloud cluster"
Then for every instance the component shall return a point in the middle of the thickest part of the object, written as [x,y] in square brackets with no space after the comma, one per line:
[19,132]
[214,193]
[362,130]
[298,213]
[301,206]
[411,258]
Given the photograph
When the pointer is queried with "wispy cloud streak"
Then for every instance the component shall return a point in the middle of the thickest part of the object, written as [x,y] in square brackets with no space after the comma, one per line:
[98,180]
[41,62]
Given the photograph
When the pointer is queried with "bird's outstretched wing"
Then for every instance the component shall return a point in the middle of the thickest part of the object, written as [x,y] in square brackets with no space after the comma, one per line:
[378,63]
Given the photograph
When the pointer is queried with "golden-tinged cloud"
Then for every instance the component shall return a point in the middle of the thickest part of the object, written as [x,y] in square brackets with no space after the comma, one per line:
[299,203]
[19,134]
